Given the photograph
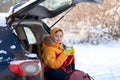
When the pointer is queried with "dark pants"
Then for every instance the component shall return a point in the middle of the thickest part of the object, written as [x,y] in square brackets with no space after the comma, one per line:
[58,74]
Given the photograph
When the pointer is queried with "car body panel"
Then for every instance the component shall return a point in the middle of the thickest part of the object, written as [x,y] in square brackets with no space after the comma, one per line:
[10,49]
[8,43]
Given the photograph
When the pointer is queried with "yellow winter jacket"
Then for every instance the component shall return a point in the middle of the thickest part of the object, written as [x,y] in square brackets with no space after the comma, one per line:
[53,55]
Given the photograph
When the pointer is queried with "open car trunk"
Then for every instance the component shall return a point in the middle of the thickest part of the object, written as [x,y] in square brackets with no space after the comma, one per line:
[43,8]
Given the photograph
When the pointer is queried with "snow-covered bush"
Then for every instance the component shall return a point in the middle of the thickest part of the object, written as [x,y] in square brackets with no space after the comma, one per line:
[94,35]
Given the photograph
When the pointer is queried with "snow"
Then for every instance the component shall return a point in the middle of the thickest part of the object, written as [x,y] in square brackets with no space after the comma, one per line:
[2,19]
[100,61]
[13,47]
[16,62]
[33,55]
[3,52]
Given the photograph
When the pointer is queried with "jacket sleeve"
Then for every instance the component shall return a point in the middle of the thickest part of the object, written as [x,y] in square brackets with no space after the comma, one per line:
[50,59]
[68,61]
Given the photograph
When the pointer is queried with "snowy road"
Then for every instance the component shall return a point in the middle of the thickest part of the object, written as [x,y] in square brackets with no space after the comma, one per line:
[102,63]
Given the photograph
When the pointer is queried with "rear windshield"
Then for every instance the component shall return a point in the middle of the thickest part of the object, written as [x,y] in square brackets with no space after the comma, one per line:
[55,4]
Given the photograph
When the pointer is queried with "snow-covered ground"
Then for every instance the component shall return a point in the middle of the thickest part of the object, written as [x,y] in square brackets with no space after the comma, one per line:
[102,62]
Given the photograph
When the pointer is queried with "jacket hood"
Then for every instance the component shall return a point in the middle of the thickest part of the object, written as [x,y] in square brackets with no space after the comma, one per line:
[48,42]
[54,30]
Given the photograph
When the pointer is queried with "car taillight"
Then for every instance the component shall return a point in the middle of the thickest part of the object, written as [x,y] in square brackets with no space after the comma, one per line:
[30,68]
[25,67]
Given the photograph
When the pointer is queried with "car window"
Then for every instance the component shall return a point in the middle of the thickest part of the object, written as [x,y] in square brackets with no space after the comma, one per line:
[30,36]
[57,4]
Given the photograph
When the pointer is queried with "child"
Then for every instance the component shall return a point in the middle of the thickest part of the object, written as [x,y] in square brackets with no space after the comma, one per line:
[55,57]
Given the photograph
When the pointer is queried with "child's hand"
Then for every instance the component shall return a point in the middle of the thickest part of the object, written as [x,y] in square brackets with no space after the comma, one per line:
[72,51]
[69,51]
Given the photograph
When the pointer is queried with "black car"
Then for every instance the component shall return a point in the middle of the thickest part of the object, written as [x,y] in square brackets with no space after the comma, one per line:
[20,40]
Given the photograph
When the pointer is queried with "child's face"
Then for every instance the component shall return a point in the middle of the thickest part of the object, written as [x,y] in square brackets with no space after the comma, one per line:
[58,36]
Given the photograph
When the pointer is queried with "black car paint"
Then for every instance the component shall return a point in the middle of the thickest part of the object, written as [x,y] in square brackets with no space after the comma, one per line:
[10,49]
